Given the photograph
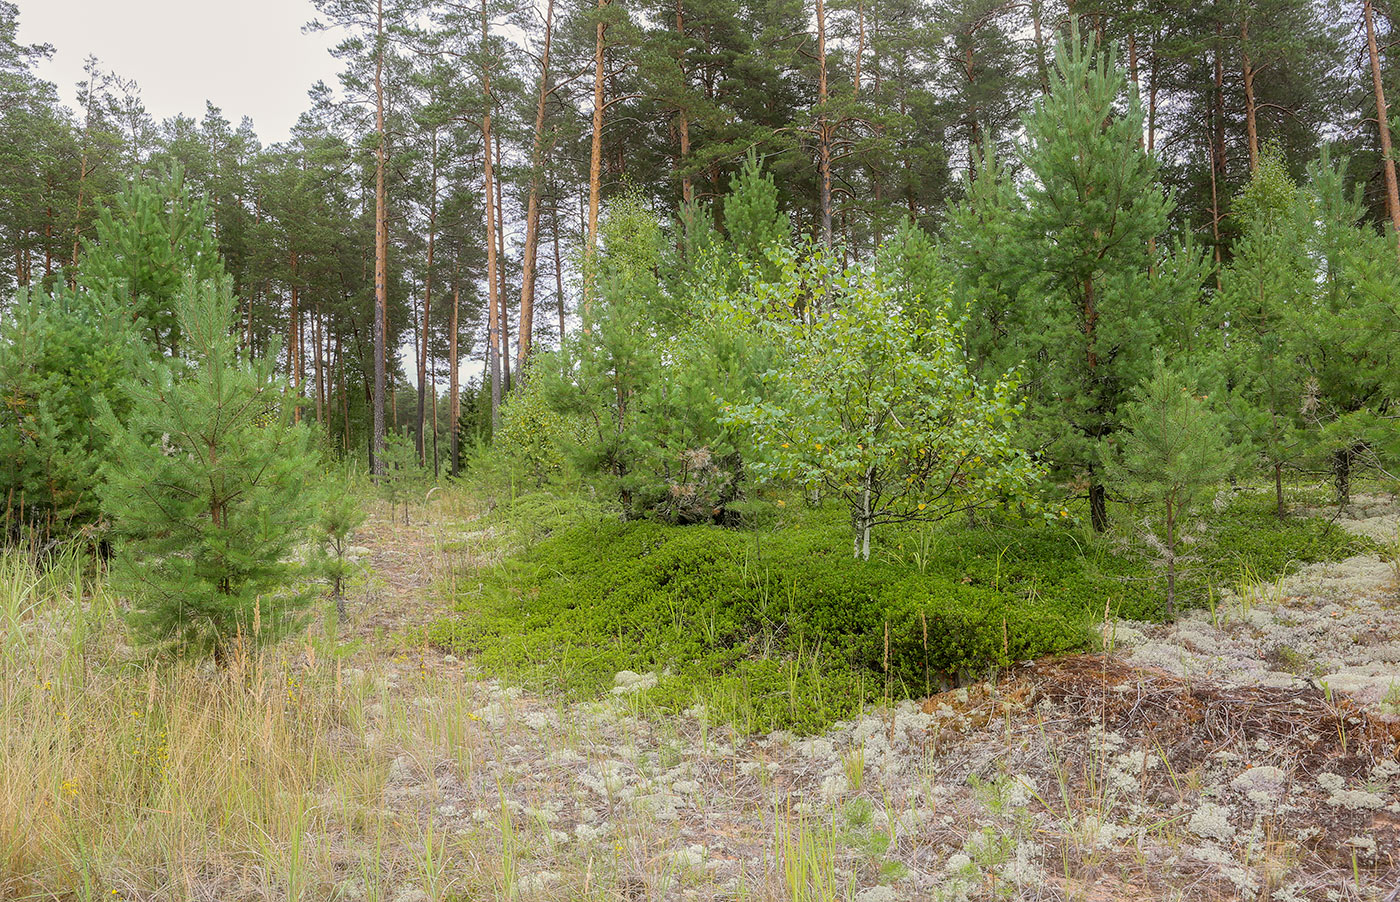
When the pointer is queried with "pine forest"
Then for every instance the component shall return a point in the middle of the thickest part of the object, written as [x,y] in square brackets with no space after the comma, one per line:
[804,450]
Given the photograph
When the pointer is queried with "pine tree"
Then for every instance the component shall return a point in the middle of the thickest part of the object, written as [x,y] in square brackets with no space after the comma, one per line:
[144,247]
[402,477]
[61,358]
[209,490]
[1347,344]
[981,244]
[982,71]
[1172,452]
[618,352]
[1264,292]
[1086,315]
[374,26]
[340,515]
[752,218]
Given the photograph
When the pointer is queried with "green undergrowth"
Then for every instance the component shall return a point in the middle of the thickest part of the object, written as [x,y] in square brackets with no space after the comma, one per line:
[783,628]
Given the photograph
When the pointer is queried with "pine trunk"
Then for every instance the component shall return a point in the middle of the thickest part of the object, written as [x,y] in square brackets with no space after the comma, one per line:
[500,276]
[427,300]
[1392,195]
[558,269]
[1341,473]
[823,128]
[1133,74]
[1217,154]
[493,318]
[317,348]
[1251,123]
[381,247]
[1098,504]
[974,128]
[860,48]
[1171,557]
[294,339]
[432,374]
[532,206]
[454,397]
[82,174]
[687,189]
[595,166]
[1152,103]
[1042,70]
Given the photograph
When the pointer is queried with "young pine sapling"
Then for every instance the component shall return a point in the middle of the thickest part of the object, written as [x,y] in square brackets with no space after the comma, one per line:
[1173,455]
[341,514]
[208,489]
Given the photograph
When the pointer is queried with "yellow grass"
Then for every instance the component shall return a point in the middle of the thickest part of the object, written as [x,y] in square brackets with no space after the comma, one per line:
[123,778]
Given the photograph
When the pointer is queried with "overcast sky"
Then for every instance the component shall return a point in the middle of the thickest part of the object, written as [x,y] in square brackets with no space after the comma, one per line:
[249,57]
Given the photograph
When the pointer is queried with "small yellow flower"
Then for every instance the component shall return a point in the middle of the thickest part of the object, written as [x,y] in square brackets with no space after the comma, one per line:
[782,503]
[922,506]
[785,444]
[819,446]
[1063,512]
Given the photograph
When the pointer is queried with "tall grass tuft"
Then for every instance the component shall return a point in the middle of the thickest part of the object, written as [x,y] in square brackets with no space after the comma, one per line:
[172,781]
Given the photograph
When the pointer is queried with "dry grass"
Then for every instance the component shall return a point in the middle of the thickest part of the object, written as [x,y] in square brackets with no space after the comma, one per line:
[128,779]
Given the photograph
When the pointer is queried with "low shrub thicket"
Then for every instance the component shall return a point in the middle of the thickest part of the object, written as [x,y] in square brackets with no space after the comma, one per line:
[782,628]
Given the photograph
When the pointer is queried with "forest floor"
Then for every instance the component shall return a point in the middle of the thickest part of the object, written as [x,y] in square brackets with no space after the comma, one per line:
[1248,751]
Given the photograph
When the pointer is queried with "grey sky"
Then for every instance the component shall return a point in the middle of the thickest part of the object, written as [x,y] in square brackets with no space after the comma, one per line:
[248,57]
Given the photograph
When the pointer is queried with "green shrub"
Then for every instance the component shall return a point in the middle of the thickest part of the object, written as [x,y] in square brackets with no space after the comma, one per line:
[783,628]
[1249,538]
[780,630]
[531,437]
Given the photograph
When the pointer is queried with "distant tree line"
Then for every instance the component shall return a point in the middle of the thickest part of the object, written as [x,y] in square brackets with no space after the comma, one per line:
[438,220]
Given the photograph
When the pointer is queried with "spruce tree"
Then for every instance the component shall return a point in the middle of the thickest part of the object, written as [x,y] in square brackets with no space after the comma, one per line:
[209,490]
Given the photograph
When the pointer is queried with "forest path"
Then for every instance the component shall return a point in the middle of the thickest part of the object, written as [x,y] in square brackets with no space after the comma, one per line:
[408,559]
